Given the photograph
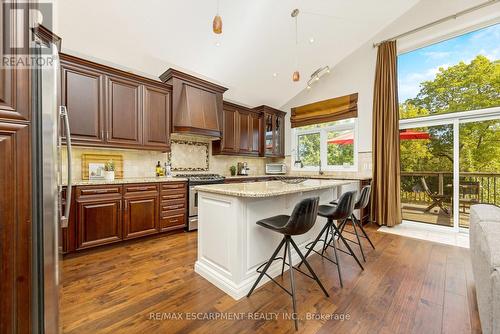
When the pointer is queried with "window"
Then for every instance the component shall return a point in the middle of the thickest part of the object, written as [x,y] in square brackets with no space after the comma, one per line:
[449,98]
[329,145]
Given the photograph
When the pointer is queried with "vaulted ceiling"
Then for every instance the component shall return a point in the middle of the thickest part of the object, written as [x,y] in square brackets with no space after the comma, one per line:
[254,57]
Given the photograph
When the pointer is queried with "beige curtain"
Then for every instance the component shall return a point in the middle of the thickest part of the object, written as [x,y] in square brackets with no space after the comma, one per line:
[386,201]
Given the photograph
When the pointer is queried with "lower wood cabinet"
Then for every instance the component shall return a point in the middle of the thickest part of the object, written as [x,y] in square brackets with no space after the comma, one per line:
[140,211]
[104,214]
[99,222]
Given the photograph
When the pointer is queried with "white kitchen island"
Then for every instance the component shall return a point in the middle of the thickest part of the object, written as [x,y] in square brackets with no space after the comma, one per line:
[230,243]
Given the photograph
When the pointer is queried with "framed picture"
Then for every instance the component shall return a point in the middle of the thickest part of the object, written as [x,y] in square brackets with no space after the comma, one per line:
[96,171]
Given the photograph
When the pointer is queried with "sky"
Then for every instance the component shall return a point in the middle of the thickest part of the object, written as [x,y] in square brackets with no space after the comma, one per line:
[422,64]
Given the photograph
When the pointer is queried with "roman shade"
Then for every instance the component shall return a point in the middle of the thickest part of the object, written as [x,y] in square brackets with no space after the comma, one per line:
[335,109]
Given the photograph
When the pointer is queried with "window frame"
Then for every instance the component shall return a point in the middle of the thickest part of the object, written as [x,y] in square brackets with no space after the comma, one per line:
[323,132]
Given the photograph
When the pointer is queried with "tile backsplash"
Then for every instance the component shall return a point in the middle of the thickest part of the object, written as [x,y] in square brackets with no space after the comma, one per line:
[141,163]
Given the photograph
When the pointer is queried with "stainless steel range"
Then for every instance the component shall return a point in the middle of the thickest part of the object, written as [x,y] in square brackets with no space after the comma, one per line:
[196,180]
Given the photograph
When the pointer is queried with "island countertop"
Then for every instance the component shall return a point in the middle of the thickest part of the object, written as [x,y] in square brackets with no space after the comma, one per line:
[269,188]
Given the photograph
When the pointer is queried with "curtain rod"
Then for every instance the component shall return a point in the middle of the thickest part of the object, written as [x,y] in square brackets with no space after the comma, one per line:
[447,18]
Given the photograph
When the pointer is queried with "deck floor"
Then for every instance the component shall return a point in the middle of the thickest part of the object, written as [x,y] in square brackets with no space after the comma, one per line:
[416,212]
[408,286]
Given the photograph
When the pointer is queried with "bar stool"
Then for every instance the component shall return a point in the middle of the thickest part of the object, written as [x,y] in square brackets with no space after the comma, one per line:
[338,212]
[301,221]
[361,203]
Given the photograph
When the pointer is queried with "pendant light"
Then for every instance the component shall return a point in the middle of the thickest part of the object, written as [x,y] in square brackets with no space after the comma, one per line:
[217,24]
[296,74]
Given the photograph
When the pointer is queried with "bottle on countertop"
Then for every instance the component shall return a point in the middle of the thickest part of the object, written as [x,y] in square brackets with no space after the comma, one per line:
[167,170]
[159,170]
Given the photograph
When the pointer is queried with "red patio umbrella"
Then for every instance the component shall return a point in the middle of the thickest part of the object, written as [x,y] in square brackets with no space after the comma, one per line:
[348,138]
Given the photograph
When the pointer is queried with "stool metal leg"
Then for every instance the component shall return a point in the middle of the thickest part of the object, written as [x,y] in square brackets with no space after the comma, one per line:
[284,258]
[314,243]
[268,264]
[337,232]
[292,282]
[325,244]
[304,260]
[360,224]
[359,241]
[337,259]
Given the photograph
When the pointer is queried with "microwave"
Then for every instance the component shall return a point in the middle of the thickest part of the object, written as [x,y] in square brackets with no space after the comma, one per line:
[275,169]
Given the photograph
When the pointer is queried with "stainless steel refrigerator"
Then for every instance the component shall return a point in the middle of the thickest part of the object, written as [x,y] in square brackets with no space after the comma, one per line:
[50,121]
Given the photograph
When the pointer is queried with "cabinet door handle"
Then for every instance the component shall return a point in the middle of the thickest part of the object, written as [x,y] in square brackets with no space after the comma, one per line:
[126,205]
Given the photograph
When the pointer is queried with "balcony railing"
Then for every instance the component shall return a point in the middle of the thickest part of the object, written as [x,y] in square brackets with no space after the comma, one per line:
[481,187]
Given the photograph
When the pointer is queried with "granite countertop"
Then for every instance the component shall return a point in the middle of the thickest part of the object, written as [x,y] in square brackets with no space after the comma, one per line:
[127,180]
[306,176]
[269,188]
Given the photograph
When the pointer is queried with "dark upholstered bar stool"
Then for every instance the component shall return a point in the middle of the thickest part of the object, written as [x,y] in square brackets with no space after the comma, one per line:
[361,203]
[301,221]
[340,213]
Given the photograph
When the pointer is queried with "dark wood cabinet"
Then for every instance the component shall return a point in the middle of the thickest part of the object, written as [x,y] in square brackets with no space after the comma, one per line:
[124,112]
[104,214]
[113,108]
[16,177]
[140,214]
[156,122]
[82,93]
[173,211]
[229,142]
[196,104]
[255,129]
[241,134]
[98,215]
[273,132]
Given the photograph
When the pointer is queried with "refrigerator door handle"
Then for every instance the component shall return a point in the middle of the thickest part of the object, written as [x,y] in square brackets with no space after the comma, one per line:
[63,113]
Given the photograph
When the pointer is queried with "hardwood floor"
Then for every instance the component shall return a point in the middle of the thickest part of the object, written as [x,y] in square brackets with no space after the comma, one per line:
[408,286]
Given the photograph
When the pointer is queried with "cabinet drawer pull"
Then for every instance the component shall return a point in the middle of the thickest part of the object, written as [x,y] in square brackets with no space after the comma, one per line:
[173,186]
[173,207]
[173,196]
[141,188]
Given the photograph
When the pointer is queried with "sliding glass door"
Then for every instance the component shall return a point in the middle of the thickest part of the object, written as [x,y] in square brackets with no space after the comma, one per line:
[479,177]
[448,163]
[427,174]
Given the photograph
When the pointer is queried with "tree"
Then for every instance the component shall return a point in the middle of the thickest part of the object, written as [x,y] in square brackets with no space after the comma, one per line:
[461,87]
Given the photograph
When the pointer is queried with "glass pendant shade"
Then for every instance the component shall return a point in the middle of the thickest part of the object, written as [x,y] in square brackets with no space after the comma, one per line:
[296,76]
[217,25]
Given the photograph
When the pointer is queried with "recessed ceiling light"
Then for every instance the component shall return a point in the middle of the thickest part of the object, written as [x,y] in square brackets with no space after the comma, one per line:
[217,43]
[275,75]
[311,40]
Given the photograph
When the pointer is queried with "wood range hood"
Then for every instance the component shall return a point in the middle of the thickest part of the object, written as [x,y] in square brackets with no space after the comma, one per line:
[196,104]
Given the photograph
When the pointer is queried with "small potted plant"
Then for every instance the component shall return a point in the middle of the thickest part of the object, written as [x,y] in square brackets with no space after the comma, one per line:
[232,169]
[109,171]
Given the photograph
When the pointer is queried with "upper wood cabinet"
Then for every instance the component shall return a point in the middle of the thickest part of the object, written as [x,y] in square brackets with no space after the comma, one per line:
[113,108]
[273,132]
[196,104]
[156,121]
[82,92]
[240,131]
[255,129]
[124,112]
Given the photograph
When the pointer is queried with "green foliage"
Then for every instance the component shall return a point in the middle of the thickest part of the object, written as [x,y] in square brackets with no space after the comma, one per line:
[460,87]
[309,148]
